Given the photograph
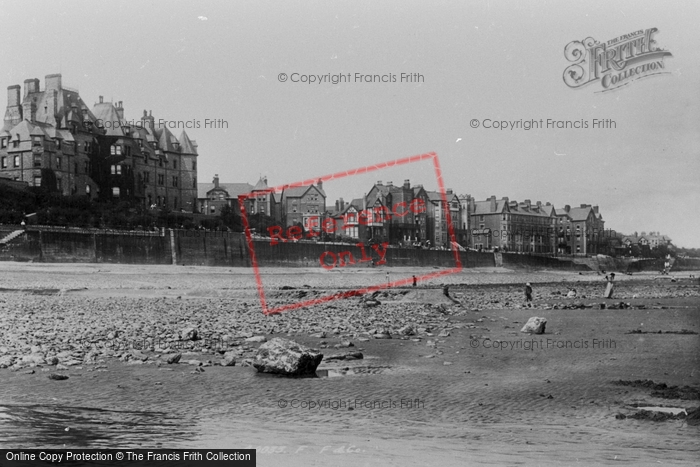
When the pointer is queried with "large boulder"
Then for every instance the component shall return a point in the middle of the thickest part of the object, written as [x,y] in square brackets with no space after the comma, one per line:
[535,325]
[286,357]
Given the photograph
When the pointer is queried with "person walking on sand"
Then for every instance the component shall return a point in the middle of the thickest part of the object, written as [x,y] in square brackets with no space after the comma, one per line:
[387,277]
[609,288]
[528,294]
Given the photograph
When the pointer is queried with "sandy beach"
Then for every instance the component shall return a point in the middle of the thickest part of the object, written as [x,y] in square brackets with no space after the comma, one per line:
[467,387]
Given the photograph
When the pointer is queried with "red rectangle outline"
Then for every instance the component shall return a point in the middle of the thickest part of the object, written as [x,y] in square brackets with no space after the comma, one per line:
[316,301]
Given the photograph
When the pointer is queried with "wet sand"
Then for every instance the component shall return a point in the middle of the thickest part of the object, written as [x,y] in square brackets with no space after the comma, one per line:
[485,393]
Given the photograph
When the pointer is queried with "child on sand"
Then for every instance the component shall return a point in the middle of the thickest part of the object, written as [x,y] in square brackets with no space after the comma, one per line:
[528,294]
[609,288]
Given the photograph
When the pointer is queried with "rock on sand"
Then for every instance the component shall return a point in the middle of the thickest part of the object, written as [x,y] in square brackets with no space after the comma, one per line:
[535,325]
[286,357]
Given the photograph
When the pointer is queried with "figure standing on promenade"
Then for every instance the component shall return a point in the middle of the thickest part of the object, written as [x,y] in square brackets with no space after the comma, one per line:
[414,281]
[528,294]
[609,288]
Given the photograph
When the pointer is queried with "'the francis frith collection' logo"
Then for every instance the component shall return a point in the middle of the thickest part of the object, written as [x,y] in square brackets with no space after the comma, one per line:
[614,63]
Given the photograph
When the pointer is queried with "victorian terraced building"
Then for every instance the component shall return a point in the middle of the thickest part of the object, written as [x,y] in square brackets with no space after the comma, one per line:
[51,138]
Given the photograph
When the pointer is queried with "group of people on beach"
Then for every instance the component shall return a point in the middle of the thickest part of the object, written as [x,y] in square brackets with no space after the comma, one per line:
[610,278]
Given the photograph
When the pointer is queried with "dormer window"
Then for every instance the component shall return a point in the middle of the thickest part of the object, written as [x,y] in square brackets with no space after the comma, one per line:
[36,141]
[15,143]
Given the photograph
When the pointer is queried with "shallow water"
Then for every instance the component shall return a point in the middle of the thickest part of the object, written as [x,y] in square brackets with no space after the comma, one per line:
[671,410]
[55,426]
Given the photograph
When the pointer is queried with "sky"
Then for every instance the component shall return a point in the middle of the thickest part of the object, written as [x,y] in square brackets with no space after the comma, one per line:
[478,60]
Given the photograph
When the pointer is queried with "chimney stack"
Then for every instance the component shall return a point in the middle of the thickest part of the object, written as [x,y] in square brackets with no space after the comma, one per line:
[101,99]
[567,208]
[120,111]
[29,111]
[319,183]
[407,184]
[52,82]
[148,121]
[216,181]
[31,86]
[13,114]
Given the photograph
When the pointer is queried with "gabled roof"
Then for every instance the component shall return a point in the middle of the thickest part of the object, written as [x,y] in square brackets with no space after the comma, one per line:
[233,189]
[261,185]
[580,214]
[484,207]
[299,191]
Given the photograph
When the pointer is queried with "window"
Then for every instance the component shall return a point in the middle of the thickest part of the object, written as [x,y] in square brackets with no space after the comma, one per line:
[15,142]
[174,181]
[161,179]
[194,182]
[37,160]
[87,190]
[36,141]
[147,177]
[115,191]
[58,144]
[174,164]
[113,150]
[212,209]
[59,184]
[59,162]
[194,165]
[37,180]
[481,218]
[116,169]
[4,162]
[3,142]
[119,150]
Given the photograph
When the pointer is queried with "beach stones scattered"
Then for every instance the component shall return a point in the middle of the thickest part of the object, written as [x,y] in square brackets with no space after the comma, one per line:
[286,357]
[6,361]
[57,377]
[346,356]
[382,334]
[256,339]
[534,325]
[229,359]
[189,334]
[172,358]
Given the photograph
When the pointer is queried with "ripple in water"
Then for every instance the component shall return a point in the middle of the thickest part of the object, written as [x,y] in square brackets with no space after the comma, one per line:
[54,426]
